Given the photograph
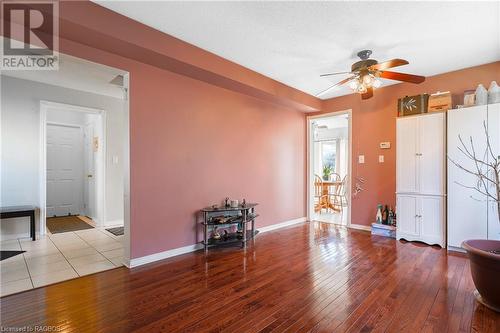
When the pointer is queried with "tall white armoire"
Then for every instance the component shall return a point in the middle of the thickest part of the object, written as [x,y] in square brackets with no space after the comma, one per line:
[421,178]
[471,214]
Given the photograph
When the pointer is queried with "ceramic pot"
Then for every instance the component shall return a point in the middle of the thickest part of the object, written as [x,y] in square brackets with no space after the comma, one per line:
[481,95]
[494,93]
[484,258]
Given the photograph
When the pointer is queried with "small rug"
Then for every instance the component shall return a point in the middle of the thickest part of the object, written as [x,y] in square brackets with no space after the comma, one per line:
[118,231]
[8,254]
[57,225]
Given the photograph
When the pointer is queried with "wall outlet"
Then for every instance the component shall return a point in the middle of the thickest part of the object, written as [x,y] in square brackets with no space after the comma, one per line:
[381,158]
[361,159]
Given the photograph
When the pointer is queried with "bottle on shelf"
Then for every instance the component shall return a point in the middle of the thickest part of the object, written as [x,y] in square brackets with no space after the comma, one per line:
[378,217]
[385,215]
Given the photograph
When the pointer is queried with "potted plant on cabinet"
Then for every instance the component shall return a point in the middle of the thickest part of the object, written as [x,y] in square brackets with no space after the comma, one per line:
[327,172]
[484,254]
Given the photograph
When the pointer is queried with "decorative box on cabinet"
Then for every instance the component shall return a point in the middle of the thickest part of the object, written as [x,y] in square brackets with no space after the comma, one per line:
[421,178]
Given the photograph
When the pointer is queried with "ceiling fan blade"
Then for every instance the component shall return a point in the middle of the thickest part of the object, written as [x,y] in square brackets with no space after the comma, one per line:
[388,64]
[337,73]
[336,84]
[402,77]
[367,94]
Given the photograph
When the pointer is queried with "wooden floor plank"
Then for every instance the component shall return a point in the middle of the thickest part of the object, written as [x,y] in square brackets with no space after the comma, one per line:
[312,277]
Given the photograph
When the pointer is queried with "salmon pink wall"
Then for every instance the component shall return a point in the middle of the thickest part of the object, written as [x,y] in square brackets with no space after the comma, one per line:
[374,121]
[192,144]
[198,133]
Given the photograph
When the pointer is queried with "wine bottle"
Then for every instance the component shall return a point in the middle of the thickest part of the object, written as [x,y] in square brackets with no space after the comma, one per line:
[385,215]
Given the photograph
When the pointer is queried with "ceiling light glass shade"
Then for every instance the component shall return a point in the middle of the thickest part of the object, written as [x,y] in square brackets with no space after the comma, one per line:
[361,89]
[368,80]
[353,84]
[376,83]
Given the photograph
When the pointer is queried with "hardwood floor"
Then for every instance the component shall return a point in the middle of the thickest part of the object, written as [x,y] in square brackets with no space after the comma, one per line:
[308,278]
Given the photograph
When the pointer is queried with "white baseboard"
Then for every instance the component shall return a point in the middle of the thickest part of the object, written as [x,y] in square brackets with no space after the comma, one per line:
[456,249]
[113,223]
[135,262]
[282,224]
[163,255]
[7,237]
[360,227]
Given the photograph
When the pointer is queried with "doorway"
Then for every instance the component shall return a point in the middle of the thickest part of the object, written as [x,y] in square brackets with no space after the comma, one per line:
[329,168]
[75,144]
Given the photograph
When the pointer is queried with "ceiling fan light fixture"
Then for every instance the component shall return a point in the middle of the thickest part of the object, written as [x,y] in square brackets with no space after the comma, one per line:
[361,89]
[353,84]
[368,80]
[376,83]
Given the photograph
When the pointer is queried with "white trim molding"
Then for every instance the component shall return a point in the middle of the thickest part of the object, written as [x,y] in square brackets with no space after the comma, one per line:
[135,262]
[282,224]
[360,227]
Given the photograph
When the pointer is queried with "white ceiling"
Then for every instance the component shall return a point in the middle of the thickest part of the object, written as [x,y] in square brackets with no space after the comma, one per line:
[295,42]
[75,73]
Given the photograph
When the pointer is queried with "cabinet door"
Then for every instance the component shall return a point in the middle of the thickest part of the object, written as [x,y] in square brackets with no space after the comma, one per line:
[431,219]
[467,209]
[407,226]
[431,154]
[406,149]
[494,134]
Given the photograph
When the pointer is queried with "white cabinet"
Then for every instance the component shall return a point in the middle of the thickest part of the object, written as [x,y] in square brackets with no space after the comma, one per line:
[431,216]
[407,225]
[420,151]
[420,218]
[470,213]
[421,178]
[406,152]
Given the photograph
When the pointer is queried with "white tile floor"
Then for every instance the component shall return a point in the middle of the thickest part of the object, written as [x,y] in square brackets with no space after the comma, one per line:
[330,217]
[58,257]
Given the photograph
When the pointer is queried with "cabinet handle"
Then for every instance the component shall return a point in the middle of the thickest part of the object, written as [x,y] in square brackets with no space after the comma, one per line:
[418,154]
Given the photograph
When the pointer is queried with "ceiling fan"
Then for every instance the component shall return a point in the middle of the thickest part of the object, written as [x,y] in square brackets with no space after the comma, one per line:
[366,73]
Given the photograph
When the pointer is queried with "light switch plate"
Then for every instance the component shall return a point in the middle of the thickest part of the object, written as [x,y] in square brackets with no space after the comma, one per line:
[361,159]
[381,158]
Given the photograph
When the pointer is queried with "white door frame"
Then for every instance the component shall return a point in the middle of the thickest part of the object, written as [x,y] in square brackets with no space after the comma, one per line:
[100,185]
[310,171]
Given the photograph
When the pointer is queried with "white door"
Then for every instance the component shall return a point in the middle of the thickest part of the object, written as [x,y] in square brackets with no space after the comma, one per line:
[406,150]
[494,134]
[430,217]
[64,170]
[89,173]
[431,154]
[407,217]
[467,209]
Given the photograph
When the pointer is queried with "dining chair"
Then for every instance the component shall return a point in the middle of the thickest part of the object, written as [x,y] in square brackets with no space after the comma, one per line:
[339,196]
[335,177]
[320,199]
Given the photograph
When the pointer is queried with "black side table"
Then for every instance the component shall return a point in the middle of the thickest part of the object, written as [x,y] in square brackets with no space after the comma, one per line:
[20,211]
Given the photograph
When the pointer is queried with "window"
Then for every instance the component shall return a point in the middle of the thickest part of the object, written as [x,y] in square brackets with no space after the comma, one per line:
[328,154]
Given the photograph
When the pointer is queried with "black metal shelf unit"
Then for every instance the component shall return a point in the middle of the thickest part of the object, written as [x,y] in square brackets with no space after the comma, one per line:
[243,216]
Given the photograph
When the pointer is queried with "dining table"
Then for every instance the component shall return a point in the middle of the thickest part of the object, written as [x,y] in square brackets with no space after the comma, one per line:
[329,188]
